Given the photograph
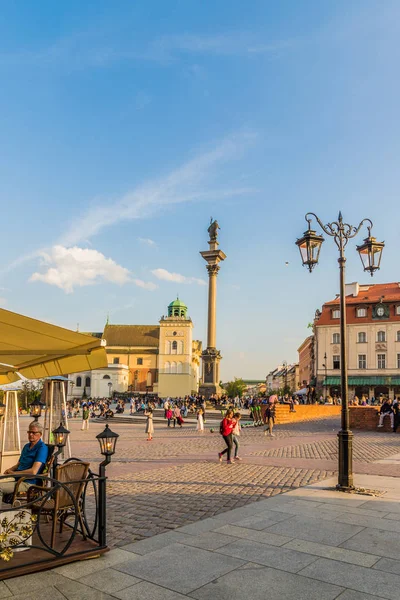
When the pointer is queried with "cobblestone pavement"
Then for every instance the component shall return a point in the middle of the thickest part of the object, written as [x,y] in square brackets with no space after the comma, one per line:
[176,479]
[366,449]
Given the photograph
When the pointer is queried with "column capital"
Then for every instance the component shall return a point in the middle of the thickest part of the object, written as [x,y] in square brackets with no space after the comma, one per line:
[212,270]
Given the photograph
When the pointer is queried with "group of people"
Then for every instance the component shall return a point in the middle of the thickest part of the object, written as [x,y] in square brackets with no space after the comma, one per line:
[390,409]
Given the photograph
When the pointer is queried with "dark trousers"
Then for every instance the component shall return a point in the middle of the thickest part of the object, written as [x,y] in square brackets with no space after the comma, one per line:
[229,443]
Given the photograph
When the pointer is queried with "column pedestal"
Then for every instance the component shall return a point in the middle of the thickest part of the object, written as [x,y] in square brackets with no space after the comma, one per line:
[210,386]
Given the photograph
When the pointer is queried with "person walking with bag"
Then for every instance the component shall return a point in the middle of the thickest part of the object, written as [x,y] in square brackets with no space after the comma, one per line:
[226,427]
[236,433]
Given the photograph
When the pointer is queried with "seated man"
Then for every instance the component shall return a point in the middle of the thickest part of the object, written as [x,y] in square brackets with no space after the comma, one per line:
[386,410]
[31,462]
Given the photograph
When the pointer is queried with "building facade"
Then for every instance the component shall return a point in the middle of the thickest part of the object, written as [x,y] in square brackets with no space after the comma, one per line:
[306,362]
[161,359]
[373,341]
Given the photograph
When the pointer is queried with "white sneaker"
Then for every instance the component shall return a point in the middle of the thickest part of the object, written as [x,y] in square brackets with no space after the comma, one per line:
[380,425]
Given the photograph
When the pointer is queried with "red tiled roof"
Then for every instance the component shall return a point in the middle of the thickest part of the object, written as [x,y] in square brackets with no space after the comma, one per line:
[368,295]
[389,291]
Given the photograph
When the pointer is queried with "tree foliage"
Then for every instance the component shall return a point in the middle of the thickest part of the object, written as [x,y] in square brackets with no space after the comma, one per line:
[237,387]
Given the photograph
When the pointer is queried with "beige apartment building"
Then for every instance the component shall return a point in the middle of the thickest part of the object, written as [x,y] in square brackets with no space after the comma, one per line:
[373,341]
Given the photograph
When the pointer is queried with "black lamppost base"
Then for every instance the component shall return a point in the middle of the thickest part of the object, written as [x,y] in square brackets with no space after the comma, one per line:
[345,482]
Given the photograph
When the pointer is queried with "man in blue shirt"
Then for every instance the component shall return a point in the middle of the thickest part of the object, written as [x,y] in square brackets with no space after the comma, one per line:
[31,462]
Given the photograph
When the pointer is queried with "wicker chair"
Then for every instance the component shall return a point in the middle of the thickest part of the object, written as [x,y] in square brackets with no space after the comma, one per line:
[18,496]
[60,504]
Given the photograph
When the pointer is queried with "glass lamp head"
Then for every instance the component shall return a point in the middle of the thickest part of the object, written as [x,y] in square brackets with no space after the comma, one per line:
[371,254]
[310,247]
[60,436]
[107,440]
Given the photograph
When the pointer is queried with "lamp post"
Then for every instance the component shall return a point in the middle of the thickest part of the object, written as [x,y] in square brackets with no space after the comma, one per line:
[36,409]
[109,389]
[370,253]
[60,436]
[72,384]
[325,365]
[107,440]
[285,390]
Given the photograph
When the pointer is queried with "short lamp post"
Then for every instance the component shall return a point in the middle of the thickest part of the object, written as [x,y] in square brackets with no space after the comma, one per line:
[71,384]
[370,253]
[325,365]
[36,409]
[60,437]
[107,440]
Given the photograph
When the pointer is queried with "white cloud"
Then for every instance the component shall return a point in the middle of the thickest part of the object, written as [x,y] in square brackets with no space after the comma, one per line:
[146,285]
[165,275]
[76,267]
[190,182]
[147,241]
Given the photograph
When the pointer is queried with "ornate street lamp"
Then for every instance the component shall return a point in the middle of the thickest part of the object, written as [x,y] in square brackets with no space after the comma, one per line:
[107,440]
[109,389]
[36,408]
[60,437]
[310,247]
[2,409]
[370,253]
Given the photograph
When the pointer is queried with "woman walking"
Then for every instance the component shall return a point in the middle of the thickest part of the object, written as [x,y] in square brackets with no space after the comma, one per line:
[168,416]
[226,428]
[177,416]
[270,416]
[200,421]
[236,433]
[149,424]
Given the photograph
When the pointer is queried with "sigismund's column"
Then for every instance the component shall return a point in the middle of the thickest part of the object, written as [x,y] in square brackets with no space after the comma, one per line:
[211,356]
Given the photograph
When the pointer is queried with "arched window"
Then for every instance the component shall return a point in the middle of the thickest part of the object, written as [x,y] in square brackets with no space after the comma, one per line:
[362,337]
[173,367]
[176,312]
[174,347]
[148,383]
[79,382]
[106,377]
[179,367]
[336,338]
[87,382]
[167,367]
[398,336]
[381,336]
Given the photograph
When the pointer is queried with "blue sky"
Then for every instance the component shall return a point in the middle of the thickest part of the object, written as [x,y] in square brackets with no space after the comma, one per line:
[125,126]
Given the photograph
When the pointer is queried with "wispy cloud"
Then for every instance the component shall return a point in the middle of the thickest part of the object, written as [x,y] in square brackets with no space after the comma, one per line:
[147,242]
[165,275]
[193,181]
[68,268]
[100,49]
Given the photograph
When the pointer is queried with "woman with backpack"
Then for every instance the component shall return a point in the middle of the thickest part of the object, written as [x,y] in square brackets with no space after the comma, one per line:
[226,428]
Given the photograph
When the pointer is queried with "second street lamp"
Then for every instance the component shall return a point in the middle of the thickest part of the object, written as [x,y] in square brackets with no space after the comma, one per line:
[370,252]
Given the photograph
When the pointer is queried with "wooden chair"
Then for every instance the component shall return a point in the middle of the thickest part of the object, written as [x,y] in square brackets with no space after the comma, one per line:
[60,503]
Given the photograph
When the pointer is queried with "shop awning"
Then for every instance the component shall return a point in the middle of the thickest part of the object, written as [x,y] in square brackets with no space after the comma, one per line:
[36,349]
[367,381]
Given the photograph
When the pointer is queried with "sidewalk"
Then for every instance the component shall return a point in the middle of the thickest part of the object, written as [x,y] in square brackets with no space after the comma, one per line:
[312,543]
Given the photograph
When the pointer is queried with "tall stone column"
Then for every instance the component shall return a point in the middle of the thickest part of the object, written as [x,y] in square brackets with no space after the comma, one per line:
[211,356]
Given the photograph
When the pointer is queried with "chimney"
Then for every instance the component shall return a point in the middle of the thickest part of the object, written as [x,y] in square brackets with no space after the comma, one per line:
[352,289]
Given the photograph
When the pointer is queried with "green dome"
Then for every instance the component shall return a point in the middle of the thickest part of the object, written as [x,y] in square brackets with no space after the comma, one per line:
[177,308]
[177,303]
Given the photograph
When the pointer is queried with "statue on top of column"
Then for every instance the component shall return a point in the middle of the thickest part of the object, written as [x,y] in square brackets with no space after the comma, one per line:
[213,230]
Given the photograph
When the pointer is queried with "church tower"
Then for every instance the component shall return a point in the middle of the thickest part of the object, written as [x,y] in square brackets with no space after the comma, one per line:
[175,377]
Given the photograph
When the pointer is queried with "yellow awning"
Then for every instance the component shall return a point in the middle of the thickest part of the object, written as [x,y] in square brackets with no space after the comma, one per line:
[36,349]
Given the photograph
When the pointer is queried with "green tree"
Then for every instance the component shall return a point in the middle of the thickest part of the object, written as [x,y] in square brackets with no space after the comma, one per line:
[237,387]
